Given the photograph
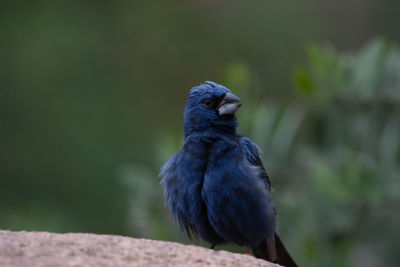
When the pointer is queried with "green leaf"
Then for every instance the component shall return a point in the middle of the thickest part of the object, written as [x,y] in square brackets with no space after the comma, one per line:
[303,82]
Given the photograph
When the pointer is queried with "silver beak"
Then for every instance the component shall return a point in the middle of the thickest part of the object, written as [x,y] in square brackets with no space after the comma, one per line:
[229,104]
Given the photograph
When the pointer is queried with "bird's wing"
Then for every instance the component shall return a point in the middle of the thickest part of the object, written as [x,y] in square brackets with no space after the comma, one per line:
[272,249]
[252,154]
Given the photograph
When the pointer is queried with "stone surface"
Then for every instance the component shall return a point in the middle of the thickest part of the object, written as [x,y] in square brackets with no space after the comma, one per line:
[36,249]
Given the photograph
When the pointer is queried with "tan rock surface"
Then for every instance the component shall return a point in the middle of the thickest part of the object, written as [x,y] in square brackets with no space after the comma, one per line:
[34,249]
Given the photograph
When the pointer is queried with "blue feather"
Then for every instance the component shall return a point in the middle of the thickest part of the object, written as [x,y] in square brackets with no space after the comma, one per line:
[216,186]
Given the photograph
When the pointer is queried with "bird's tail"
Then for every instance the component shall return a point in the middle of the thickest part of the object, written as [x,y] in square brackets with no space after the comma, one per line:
[273,250]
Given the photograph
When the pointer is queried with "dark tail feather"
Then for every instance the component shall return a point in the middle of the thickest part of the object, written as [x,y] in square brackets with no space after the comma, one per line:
[273,250]
[284,257]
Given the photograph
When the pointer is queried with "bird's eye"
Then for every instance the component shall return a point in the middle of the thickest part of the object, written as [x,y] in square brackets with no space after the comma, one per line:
[208,102]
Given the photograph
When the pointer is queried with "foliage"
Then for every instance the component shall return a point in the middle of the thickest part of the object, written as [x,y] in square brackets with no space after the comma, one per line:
[348,154]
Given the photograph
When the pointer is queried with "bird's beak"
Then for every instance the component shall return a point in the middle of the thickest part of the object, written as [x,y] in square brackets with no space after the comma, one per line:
[229,104]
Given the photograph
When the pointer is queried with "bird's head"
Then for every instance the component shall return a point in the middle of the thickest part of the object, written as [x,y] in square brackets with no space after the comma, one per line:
[210,106]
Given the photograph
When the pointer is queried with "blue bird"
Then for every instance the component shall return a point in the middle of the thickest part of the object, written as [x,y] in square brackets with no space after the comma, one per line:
[216,186]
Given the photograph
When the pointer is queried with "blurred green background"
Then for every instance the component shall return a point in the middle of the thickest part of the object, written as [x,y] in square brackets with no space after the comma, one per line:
[92,98]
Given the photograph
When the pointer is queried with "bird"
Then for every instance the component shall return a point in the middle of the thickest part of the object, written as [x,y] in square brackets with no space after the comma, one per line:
[216,186]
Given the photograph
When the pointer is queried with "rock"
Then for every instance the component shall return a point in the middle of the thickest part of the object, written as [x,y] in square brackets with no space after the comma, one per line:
[39,249]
